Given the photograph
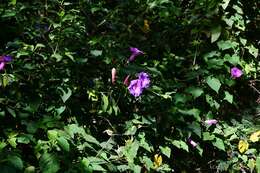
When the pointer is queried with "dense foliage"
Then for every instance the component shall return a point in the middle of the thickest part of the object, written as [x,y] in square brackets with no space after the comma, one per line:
[129,86]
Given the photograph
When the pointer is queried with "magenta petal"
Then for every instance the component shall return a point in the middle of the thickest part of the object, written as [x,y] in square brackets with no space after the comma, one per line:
[113,77]
[135,52]
[2,65]
[193,143]
[236,72]
[211,122]
[132,57]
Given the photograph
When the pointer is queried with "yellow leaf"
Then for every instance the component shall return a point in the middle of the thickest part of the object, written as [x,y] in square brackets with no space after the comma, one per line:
[157,160]
[243,146]
[255,136]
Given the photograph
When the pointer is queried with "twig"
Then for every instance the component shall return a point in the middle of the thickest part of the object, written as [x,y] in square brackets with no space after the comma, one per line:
[254,88]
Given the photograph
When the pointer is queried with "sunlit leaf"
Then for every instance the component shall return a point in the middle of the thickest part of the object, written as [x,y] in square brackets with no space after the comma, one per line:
[214,83]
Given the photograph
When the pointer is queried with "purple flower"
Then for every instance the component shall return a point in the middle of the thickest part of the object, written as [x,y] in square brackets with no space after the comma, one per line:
[3,60]
[144,78]
[236,72]
[193,143]
[135,52]
[2,65]
[211,122]
[135,87]
[7,58]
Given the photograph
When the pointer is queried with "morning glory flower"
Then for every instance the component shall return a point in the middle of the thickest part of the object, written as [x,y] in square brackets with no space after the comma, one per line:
[135,52]
[3,60]
[137,86]
[144,78]
[211,122]
[236,72]
[113,75]
[7,58]
[193,143]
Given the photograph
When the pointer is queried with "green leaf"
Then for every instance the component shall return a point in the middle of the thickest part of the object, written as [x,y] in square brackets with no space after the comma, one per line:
[193,112]
[16,162]
[212,102]
[12,2]
[258,164]
[49,163]
[219,144]
[122,168]
[65,95]
[104,102]
[57,56]
[148,163]
[224,45]
[52,134]
[96,167]
[38,45]
[2,145]
[60,110]
[252,50]
[234,59]
[137,169]
[29,169]
[5,80]
[9,13]
[243,41]
[194,91]
[208,137]
[11,111]
[64,143]
[214,83]
[130,151]
[12,141]
[224,4]
[251,164]
[228,97]
[143,142]
[196,128]
[96,52]
[200,150]
[180,144]
[90,139]
[215,33]
[24,138]
[166,151]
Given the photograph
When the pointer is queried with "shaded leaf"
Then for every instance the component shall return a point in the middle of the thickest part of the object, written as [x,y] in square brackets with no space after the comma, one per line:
[16,162]
[49,163]
[64,143]
[214,83]
[166,151]
[181,145]
[215,33]
[219,144]
[65,95]
[96,52]
[228,97]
